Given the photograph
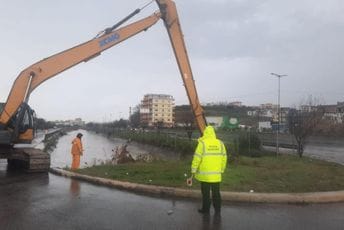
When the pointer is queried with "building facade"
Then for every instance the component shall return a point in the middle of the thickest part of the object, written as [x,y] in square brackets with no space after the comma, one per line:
[157,110]
[75,122]
[334,113]
[215,121]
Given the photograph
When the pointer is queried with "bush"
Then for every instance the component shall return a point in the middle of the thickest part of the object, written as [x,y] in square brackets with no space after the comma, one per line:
[249,144]
[164,140]
[237,143]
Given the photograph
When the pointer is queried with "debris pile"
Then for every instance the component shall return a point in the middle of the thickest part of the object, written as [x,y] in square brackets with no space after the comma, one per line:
[144,158]
[122,156]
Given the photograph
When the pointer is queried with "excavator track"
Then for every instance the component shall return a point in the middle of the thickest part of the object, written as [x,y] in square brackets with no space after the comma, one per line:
[29,159]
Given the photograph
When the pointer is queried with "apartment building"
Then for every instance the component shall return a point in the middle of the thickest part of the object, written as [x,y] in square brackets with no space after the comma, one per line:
[157,109]
[334,113]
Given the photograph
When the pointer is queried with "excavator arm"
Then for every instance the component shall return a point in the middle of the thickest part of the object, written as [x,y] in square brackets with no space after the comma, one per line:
[30,78]
[49,67]
[169,15]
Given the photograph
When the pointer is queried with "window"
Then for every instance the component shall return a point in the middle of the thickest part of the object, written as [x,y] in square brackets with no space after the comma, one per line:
[26,120]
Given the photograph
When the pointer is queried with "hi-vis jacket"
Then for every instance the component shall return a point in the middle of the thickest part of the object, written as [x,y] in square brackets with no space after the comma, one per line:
[210,157]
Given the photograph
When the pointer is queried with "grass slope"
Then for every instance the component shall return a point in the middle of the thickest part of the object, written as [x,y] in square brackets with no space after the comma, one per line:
[265,174]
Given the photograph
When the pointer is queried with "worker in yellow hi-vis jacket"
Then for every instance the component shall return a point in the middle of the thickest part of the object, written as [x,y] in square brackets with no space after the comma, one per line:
[208,164]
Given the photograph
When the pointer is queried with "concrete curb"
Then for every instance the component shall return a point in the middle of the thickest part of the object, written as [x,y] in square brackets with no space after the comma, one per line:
[295,198]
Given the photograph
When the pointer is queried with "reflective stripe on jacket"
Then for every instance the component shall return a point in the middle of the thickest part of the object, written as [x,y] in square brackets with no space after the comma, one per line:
[210,157]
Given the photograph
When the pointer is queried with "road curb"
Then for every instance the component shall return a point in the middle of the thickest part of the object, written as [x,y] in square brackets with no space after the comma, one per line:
[294,198]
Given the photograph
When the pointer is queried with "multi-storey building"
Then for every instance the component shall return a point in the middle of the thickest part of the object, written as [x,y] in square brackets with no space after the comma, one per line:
[268,106]
[157,109]
[235,103]
[334,113]
[75,122]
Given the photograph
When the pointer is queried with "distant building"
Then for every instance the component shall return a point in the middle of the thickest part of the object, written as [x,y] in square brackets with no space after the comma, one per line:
[284,114]
[268,106]
[340,107]
[308,108]
[157,109]
[78,122]
[264,126]
[235,103]
[75,122]
[215,121]
[334,113]
[252,113]
[224,103]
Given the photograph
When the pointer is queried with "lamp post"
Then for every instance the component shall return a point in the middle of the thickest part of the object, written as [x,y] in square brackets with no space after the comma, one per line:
[278,109]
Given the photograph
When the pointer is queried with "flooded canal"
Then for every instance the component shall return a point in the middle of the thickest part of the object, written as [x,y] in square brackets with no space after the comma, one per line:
[98,150]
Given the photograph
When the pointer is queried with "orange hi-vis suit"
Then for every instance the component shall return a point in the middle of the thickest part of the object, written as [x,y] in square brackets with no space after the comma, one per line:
[76,151]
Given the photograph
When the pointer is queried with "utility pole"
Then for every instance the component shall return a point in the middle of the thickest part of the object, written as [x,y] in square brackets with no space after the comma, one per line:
[278,109]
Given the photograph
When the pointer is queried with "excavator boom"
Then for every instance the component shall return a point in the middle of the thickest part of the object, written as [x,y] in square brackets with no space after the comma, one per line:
[49,67]
[169,15]
[16,117]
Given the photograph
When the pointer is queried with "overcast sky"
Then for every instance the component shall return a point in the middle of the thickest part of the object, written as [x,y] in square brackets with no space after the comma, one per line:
[233,47]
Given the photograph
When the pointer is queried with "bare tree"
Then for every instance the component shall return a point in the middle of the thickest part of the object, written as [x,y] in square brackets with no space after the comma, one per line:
[134,118]
[304,121]
[186,118]
[159,125]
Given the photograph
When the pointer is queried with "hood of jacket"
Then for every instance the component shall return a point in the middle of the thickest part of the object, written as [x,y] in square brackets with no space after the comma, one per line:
[209,133]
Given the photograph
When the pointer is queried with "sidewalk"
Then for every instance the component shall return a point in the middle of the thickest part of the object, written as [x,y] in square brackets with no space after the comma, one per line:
[295,198]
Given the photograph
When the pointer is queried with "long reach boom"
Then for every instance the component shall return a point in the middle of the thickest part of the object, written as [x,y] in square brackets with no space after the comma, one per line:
[30,78]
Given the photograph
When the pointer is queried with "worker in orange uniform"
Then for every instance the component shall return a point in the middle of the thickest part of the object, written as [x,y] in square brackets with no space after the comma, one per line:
[77,151]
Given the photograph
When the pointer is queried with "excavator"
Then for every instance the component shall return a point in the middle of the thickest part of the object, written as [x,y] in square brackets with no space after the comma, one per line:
[17,119]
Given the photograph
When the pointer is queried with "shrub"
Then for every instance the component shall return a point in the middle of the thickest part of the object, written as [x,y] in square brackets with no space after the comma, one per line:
[181,145]
[249,144]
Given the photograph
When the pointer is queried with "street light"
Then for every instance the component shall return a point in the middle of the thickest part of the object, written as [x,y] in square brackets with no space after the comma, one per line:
[278,109]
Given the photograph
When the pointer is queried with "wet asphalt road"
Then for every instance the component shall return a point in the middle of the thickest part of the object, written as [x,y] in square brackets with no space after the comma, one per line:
[46,201]
[324,148]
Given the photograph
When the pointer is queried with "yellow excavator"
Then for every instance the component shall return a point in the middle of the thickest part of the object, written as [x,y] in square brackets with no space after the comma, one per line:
[17,119]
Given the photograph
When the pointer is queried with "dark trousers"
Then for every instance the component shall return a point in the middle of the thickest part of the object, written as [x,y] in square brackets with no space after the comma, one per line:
[215,191]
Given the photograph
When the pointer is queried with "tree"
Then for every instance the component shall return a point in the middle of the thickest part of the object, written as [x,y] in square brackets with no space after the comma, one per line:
[135,117]
[159,125]
[303,122]
[186,119]
[43,124]
[121,123]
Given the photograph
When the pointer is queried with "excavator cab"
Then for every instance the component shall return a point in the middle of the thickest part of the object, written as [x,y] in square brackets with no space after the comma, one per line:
[20,128]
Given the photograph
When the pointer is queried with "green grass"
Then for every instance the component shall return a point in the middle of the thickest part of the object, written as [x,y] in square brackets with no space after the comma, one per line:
[265,174]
